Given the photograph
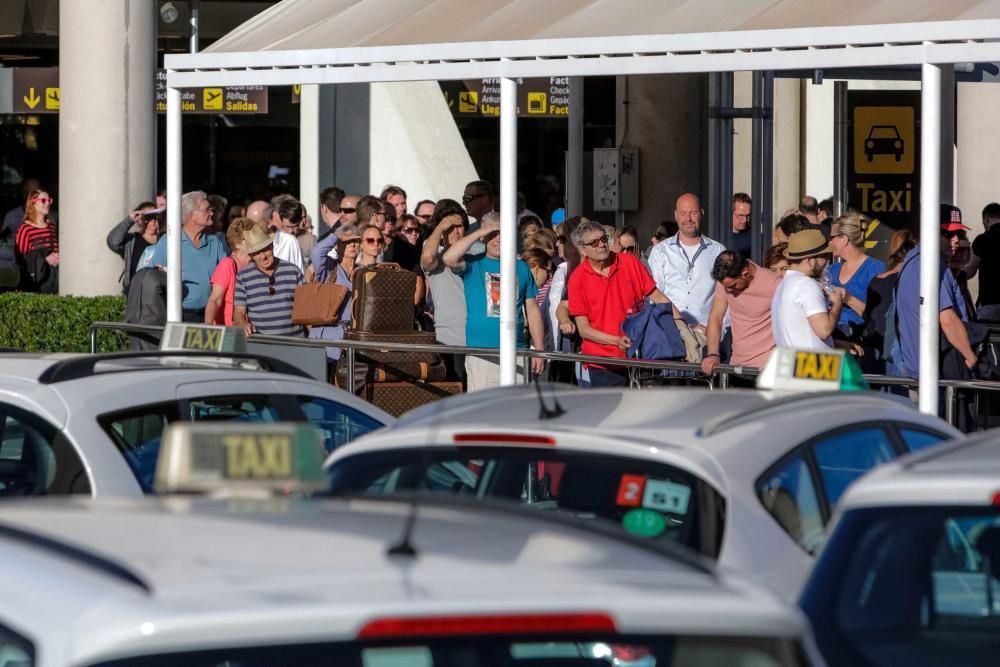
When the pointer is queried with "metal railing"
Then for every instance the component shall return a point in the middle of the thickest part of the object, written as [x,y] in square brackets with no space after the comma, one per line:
[685,370]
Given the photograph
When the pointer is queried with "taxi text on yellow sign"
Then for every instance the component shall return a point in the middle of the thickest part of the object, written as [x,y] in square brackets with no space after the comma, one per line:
[258,457]
[817,366]
[202,339]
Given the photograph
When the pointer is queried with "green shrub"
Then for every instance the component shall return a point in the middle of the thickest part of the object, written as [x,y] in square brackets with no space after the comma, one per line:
[50,323]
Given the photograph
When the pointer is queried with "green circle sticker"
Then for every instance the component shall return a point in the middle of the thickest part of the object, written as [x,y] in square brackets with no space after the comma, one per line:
[644,523]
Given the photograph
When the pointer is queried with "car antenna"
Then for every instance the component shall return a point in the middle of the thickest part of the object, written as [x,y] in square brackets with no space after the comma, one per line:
[405,545]
[544,411]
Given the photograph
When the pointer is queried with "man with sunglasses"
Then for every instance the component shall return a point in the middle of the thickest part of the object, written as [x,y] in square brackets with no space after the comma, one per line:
[265,290]
[605,288]
[952,312]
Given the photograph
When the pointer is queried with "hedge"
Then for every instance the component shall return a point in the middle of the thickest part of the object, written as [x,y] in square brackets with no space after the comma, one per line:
[50,323]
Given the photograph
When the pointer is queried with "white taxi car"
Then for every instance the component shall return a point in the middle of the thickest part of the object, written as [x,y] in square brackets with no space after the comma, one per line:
[910,574]
[373,582]
[746,477]
[91,424]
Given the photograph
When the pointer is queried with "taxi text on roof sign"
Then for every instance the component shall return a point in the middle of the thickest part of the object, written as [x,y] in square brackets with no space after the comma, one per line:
[280,457]
[810,370]
[203,338]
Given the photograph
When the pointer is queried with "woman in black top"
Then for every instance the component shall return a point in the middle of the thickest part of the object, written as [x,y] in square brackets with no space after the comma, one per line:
[881,292]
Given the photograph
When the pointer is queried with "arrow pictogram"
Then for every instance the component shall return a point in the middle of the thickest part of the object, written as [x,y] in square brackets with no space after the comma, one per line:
[31,99]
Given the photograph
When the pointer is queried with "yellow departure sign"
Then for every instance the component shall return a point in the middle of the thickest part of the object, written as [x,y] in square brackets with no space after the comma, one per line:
[240,457]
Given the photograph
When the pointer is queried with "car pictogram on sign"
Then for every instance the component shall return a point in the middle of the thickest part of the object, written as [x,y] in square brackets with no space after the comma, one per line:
[884,140]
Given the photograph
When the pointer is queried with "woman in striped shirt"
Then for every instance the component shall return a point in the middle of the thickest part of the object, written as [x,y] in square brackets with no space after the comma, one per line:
[38,246]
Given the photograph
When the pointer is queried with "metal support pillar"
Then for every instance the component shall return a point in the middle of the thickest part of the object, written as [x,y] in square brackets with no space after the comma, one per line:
[841,137]
[195,24]
[720,158]
[508,231]
[930,257]
[762,177]
[574,153]
[174,186]
[947,142]
[309,147]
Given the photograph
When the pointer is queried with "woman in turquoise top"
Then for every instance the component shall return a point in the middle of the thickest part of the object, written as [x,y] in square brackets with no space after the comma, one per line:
[854,270]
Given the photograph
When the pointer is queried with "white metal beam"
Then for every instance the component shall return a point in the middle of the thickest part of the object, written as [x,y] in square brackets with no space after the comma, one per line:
[930,258]
[174,186]
[508,232]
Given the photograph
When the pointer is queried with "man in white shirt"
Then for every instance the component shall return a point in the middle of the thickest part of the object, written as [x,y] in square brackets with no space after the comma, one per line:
[682,265]
[800,316]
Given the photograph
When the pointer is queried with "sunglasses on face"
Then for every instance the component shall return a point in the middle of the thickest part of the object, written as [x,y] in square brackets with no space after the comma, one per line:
[352,242]
[374,241]
[468,199]
[629,249]
[601,240]
[959,233]
[43,200]
[348,210]
[410,230]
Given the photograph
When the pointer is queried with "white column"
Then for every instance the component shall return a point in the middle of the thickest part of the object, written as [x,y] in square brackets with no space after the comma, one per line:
[107,132]
[309,146]
[174,185]
[508,231]
[195,21]
[930,189]
[574,154]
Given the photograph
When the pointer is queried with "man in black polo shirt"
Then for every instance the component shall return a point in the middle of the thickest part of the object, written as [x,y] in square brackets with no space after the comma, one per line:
[986,260]
[265,290]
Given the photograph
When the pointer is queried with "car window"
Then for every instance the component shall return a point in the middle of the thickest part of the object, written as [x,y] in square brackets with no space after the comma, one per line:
[136,433]
[916,440]
[789,495]
[15,650]
[232,408]
[645,498]
[923,582]
[337,423]
[36,459]
[846,455]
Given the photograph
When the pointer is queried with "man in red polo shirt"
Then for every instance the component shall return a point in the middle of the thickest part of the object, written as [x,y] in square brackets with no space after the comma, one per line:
[604,289]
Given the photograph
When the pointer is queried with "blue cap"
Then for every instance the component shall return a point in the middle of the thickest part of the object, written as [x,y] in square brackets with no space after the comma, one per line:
[558,216]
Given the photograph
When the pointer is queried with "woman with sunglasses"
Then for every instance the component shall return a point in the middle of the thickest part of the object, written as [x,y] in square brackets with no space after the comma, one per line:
[627,241]
[38,246]
[349,252]
[853,272]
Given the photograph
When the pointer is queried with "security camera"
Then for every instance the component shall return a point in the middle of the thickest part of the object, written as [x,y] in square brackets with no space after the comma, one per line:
[168,12]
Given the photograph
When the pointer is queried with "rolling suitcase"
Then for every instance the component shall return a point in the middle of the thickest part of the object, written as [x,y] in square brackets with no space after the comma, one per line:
[383,299]
[366,373]
[395,356]
[397,398]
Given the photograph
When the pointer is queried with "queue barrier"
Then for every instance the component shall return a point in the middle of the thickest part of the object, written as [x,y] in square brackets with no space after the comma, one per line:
[687,370]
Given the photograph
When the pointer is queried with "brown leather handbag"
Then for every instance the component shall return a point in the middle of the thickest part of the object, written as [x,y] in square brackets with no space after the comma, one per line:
[318,304]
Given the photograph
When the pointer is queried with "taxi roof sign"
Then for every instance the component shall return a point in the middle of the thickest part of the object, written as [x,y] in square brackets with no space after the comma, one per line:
[240,457]
[811,370]
[203,338]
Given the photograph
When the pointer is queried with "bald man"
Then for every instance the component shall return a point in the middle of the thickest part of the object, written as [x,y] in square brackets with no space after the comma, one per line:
[256,210]
[682,265]
[286,247]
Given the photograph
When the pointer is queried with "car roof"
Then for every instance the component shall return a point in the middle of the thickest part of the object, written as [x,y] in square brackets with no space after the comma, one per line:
[690,426]
[963,472]
[198,573]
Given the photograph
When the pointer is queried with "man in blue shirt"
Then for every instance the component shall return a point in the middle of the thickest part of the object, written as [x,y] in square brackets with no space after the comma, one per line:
[481,280]
[201,251]
[952,314]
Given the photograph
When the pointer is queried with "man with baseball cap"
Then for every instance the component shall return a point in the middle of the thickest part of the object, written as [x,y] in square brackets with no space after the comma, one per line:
[800,315]
[952,312]
[265,289]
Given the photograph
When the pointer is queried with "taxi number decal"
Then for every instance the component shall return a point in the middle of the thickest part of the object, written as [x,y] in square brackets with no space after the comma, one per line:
[817,366]
[196,338]
[630,490]
[666,496]
[258,457]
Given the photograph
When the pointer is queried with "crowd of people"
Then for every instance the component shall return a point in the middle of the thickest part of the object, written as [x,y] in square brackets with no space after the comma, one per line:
[579,282]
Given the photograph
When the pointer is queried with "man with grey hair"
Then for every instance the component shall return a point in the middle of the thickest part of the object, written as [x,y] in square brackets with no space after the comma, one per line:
[201,251]
[603,291]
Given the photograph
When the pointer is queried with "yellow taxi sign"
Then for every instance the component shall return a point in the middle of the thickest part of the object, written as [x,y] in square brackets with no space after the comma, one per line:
[803,370]
[203,338]
[219,457]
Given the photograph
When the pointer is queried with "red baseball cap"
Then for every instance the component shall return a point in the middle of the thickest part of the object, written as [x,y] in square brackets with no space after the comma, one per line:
[951,218]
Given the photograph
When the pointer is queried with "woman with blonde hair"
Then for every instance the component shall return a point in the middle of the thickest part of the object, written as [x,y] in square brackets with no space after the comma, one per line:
[37,244]
[855,270]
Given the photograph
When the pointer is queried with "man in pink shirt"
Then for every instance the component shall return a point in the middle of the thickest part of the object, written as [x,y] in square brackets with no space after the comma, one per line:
[746,291]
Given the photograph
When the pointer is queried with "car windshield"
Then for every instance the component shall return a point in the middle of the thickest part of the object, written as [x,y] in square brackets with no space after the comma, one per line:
[558,651]
[883,132]
[646,498]
[920,586]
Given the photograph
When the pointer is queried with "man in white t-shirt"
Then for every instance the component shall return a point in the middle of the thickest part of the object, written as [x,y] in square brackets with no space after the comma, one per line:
[800,316]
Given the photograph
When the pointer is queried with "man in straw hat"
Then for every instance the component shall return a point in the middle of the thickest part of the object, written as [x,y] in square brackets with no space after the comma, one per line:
[800,315]
[265,289]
